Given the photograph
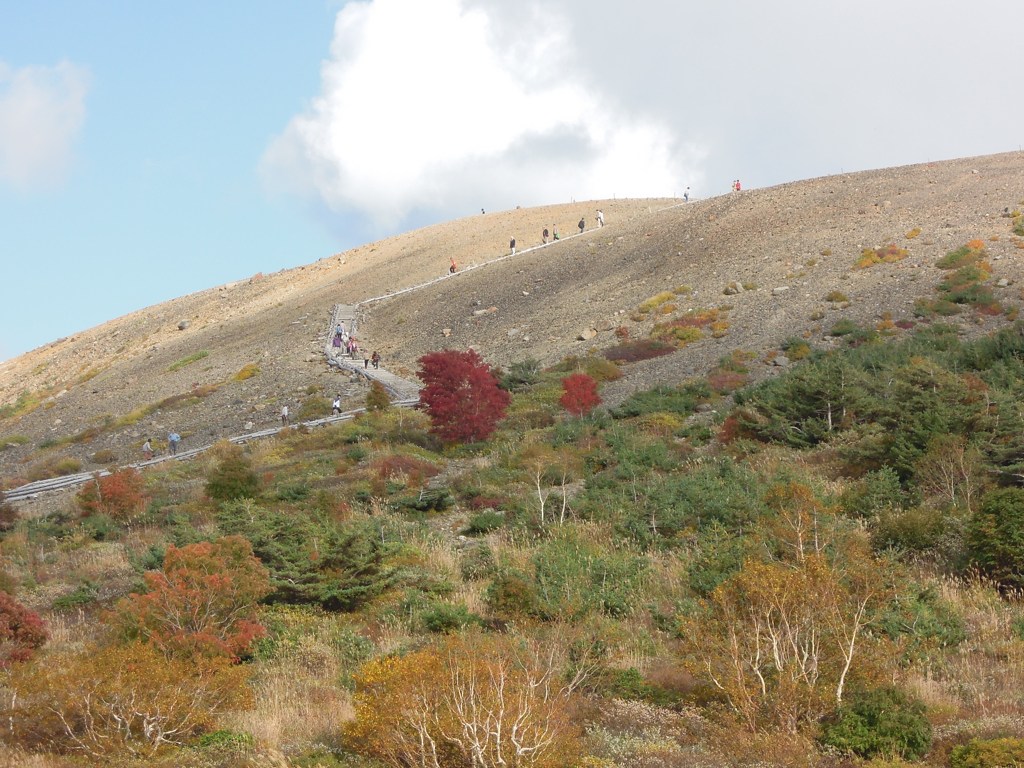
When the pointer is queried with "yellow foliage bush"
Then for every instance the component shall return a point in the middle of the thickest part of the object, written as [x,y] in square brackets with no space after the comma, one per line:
[651,304]
[472,700]
[118,700]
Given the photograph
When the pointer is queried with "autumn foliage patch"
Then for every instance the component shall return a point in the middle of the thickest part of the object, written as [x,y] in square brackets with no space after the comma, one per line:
[461,395]
[21,631]
[121,495]
[579,394]
[202,603]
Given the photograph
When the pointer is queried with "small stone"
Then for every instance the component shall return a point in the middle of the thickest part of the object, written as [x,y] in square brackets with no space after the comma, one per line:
[446,332]
[183,325]
[780,290]
[587,335]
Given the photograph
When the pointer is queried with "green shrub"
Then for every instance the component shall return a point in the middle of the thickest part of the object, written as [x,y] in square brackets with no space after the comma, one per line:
[85,594]
[995,537]
[843,327]
[635,351]
[962,256]
[223,740]
[484,522]
[377,399]
[314,407]
[477,562]
[682,400]
[923,622]
[796,349]
[513,593]
[521,375]
[883,722]
[443,618]
[187,361]
[988,753]
[630,684]
[597,368]
[233,477]
[312,558]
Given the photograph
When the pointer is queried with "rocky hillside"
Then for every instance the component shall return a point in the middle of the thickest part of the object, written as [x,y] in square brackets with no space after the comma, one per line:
[776,263]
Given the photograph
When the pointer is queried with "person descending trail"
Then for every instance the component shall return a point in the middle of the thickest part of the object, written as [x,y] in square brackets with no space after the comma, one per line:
[600,217]
[544,236]
[452,269]
[512,245]
[582,225]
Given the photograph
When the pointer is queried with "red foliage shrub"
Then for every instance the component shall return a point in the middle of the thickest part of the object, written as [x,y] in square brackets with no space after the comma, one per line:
[731,430]
[413,470]
[202,603]
[8,514]
[461,395]
[21,631]
[477,503]
[724,382]
[579,395]
[121,494]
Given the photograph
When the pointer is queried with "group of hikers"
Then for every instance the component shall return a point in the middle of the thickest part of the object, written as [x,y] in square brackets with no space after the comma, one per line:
[173,440]
[344,340]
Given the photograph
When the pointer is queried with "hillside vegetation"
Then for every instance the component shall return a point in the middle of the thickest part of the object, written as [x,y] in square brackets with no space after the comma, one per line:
[743,489]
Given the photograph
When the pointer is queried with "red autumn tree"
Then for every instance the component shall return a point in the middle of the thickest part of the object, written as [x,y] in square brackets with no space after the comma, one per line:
[21,631]
[579,395]
[121,494]
[461,395]
[202,603]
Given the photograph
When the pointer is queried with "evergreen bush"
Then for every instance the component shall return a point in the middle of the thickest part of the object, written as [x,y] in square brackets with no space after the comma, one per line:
[884,722]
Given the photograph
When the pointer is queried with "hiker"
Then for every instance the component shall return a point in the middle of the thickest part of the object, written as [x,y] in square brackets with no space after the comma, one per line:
[453,269]
[337,341]
[147,450]
[686,195]
[512,245]
[375,359]
[336,406]
[581,225]
[600,217]
[172,442]
[284,415]
[544,236]
[554,231]
[366,361]
[340,330]
[737,185]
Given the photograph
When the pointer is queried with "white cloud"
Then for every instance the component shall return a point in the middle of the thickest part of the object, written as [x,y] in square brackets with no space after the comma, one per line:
[41,112]
[441,107]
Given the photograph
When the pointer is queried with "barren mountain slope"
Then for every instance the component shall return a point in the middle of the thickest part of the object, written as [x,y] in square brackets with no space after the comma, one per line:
[791,245]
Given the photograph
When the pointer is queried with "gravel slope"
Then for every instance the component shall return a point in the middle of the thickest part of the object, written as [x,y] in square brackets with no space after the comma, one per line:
[792,245]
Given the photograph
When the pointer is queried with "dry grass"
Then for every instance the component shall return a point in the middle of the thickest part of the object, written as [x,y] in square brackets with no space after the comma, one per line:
[15,758]
[980,681]
[297,703]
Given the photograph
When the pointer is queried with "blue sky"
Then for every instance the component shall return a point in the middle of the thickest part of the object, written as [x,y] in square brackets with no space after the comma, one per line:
[150,148]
